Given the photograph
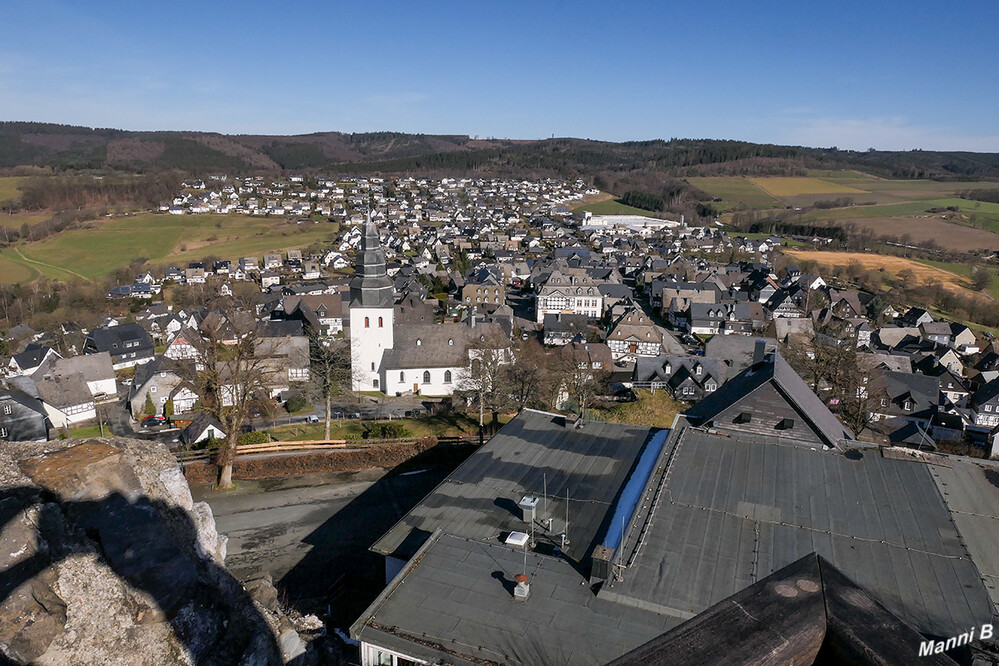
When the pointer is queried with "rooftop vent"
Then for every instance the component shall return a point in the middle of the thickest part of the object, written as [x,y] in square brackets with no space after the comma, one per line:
[522,591]
[759,352]
[744,417]
[529,505]
[785,424]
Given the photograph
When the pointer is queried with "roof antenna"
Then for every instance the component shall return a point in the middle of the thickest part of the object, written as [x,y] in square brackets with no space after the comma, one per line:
[565,534]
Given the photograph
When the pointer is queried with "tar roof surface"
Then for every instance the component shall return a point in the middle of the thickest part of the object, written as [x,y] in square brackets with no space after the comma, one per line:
[479,499]
[733,510]
[458,595]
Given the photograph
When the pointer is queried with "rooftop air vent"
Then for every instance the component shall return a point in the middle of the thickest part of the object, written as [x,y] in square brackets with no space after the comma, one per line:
[522,591]
[529,505]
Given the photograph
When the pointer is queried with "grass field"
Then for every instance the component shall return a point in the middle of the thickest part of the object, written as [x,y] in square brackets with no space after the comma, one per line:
[790,187]
[735,189]
[104,245]
[613,207]
[18,220]
[8,188]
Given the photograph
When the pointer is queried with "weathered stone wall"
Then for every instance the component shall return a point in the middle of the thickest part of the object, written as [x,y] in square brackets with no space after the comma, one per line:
[105,559]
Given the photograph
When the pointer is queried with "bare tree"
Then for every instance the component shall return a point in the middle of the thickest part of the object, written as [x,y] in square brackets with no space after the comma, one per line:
[525,374]
[860,391]
[330,370]
[582,374]
[483,380]
[230,375]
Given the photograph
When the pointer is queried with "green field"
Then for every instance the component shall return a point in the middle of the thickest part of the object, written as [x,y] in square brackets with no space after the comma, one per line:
[964,270]
[735,189]
[613,207]
[105,245]
[18,220]
[8,188]
[791,187]
[986,214]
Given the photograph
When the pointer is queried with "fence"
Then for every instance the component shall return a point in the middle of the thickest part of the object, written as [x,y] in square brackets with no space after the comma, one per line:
[303,446]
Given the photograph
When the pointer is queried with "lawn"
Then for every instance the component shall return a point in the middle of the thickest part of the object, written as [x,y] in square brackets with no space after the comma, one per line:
[651,409]
[735,189]
[613,207]
[104,245]
[790,187]
[986,215]
[451,425]
[8,187]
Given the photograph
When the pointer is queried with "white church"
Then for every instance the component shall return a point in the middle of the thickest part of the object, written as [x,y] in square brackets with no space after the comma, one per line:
[415,359]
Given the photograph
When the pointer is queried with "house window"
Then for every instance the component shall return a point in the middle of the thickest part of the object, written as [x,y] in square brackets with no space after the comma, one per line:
[380,322]
[402,377]
[3,433]
[7,409]
[710,386]
[426,376]
[374,383]
[988,408]
[697,371]
[367,322]
[450,342]
[152,389]
[447,376]
[372,366]
[907,405]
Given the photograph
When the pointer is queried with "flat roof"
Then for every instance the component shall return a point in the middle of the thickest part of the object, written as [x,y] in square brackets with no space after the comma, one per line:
[734,509]
[456,598]
[479,500]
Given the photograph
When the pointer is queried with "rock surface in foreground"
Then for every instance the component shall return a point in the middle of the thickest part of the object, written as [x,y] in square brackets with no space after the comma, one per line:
[105,559]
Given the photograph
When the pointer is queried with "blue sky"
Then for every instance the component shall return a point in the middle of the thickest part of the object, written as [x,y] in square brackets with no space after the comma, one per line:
[851,74]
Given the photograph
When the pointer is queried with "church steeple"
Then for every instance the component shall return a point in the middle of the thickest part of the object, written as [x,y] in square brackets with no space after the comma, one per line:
[371,287]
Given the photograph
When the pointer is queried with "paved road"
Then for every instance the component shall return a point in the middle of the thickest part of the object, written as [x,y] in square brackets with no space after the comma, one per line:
[312,534]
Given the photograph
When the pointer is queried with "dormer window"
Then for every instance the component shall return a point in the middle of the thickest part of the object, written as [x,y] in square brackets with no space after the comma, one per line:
[450,342]
[907,405]
[419,342]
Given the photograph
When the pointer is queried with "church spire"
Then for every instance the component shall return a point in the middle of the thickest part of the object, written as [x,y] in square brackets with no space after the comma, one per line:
[371,287]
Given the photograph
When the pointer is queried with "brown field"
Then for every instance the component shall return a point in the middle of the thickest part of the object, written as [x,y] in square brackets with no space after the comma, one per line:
[947,235]
[892,265]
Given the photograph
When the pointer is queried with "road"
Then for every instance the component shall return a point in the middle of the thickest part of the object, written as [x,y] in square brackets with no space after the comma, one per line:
[312,534]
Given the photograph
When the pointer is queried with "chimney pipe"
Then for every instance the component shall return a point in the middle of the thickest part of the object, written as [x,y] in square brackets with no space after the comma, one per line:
[523,589]
[759,351]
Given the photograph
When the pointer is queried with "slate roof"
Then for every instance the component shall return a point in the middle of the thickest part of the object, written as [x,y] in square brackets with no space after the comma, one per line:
[64,391]
[740,394]
[32,356]
[427,345]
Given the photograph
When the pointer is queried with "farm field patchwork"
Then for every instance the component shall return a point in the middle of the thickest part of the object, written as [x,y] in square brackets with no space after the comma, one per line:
[735,189]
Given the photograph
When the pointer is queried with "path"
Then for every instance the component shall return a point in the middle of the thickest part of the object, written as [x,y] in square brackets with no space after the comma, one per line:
[17,250]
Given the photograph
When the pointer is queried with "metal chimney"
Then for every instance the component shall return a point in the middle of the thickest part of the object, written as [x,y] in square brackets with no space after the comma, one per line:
[522,591]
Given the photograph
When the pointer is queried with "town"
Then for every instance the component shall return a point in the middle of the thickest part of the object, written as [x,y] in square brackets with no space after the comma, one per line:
[629,392]
[653,304]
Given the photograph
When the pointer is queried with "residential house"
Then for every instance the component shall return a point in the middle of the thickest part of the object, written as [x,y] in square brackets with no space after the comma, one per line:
[22,416]
[687,378]
[28,361]
[162,381]
[128,344]
[635,335]
[67,400]
[202,428]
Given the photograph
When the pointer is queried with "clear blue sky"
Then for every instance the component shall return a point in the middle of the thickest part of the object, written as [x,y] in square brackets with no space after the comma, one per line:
[892,75]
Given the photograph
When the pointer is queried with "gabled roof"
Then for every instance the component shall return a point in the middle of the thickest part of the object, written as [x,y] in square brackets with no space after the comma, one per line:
[776,372]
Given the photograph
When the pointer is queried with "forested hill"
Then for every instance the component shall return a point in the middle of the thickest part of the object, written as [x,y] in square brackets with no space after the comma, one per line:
[639,163]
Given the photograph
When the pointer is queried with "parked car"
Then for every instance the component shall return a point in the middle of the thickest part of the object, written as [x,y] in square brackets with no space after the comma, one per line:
[312,418]
[153,421]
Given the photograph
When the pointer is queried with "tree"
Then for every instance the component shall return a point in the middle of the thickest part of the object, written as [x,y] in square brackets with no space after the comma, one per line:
[859,391]
[580,379]
[981,279]
[230,375]
[168,409]
[524,376]
[148,408]
[329,371]
[483,381]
